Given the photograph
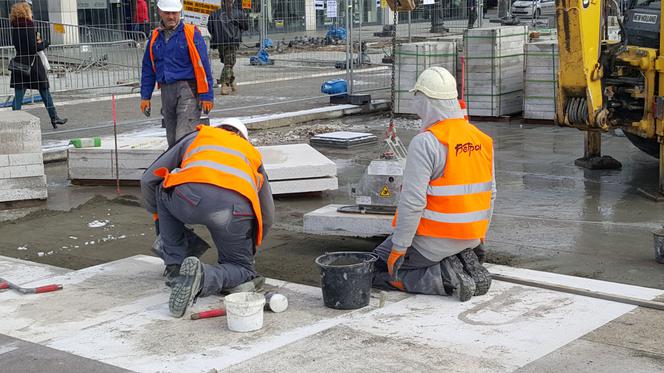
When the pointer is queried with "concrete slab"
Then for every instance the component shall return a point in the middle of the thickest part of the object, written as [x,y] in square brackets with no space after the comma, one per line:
[327,221]
[22,271]
[287,163]
[117,314]
[343,139]
[586,356]
[17,356]
[304,185]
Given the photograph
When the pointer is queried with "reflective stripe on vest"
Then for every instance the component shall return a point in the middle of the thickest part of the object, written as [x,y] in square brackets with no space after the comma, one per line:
[459,201]
[455,190]
[194,56]
[233,166]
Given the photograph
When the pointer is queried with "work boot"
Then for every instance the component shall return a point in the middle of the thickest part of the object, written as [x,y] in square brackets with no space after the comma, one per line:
[57,121]
[472,266]
[254,285]
[226,89]
[480,252]
[463,285]
[171,272]
[187,286]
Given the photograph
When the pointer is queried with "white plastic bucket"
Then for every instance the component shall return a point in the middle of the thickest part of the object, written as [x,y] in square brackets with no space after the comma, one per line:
[244,311]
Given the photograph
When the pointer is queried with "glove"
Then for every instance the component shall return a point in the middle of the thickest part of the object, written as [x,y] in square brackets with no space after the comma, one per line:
[206,106]
[394,262]
[155,218]
[145,107]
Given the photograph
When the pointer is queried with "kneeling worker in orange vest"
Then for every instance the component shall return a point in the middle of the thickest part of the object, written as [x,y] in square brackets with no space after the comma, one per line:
[176,59]
[213,177]
[446,200]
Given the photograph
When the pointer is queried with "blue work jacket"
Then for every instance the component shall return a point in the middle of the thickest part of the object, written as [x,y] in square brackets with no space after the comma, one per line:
[173,63]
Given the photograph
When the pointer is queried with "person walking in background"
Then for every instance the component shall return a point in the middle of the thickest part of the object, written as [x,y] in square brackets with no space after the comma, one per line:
[142,19]
[176,58]
[225,26]
[472,13]
[27,69]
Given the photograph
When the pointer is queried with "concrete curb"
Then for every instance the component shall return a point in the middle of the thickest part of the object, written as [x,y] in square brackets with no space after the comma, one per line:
[59,154]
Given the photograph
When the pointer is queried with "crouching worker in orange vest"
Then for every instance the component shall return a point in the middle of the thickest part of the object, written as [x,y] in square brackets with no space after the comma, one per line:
[212,177]
[446,200]
[176,59]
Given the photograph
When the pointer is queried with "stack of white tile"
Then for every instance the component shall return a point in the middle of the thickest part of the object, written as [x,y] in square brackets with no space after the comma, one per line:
[541,80]
[21,163]
[296,168]
[494,70]
[412,59]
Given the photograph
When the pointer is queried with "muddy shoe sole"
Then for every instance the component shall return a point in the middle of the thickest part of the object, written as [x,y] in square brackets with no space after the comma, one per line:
[466,286]
[186,287]
[472,266]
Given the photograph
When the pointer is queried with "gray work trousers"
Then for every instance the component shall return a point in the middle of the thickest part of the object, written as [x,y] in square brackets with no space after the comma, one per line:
[417,273]
[180,109]
[227,215]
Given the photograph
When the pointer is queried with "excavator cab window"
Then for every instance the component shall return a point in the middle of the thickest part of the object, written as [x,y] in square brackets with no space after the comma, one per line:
[642,23]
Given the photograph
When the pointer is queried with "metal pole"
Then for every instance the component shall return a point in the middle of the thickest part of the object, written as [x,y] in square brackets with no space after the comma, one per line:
[349,44]
[360,55]
[410,40]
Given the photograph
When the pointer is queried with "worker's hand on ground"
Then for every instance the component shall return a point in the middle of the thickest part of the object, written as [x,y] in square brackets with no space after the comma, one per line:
[394,262]
[206,106]
[145,107]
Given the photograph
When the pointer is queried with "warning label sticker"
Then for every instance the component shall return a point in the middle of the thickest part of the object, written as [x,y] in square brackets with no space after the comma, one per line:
[385,192]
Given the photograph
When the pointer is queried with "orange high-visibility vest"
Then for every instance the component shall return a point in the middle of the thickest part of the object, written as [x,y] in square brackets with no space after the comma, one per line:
[459,202]
[224,159]
[196,62]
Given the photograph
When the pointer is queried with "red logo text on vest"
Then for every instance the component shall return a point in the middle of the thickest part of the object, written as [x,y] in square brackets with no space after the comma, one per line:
[468,147]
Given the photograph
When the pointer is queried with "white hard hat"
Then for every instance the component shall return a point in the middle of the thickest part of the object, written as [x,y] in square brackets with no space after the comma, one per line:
[237,124]
[437,83]
[169,5]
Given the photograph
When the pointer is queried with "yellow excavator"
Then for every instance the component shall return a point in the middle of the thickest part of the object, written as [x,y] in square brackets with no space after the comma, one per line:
[604,85]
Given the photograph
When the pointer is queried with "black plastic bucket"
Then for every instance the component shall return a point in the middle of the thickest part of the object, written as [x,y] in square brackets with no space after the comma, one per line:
[346,278]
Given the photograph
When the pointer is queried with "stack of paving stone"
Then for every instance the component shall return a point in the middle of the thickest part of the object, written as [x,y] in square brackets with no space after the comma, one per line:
[21,163]
[412,59]
[343,139]
[541,80]
[494,70]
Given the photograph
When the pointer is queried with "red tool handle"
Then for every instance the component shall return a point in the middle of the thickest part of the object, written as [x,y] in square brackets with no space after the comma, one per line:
[208,314]
[4,285]
[47,288]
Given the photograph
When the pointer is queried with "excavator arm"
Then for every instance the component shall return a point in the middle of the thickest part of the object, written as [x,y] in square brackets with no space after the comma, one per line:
[580,100]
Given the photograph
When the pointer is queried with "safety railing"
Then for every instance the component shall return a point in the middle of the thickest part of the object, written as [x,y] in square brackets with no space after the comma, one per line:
[100,67]
[59,33]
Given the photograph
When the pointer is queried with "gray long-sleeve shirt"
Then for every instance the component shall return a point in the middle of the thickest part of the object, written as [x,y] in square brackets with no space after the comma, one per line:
[425,162]
[172,159]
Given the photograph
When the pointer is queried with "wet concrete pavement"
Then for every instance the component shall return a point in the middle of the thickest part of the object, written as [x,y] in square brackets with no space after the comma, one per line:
[550,215]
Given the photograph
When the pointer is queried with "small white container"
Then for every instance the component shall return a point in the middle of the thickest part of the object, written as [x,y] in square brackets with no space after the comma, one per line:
[244,311]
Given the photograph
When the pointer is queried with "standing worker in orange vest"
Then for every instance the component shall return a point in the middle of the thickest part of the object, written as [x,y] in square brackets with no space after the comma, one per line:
[213,177]
[446,200]
[176,59]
